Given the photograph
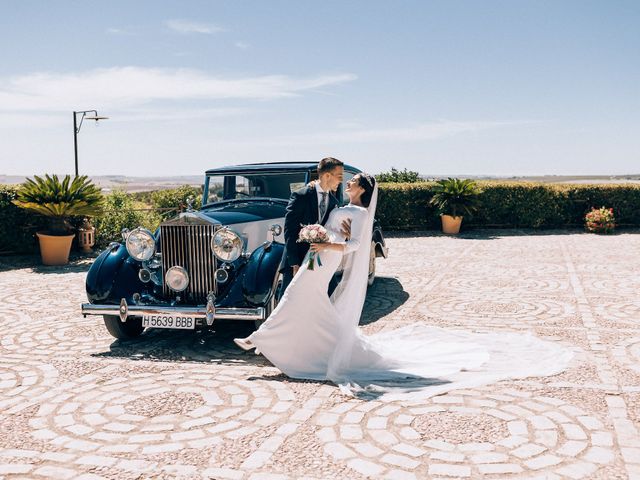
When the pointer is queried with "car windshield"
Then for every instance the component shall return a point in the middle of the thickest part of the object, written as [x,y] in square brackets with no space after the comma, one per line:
[245,185]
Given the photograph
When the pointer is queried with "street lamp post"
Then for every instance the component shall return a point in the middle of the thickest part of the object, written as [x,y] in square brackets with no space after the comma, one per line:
[77,126]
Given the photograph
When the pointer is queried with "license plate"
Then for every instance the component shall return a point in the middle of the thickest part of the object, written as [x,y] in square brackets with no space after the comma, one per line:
[168,321]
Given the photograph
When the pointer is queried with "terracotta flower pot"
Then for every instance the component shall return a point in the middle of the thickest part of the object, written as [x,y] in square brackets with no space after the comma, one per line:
[451,225]
[55,249]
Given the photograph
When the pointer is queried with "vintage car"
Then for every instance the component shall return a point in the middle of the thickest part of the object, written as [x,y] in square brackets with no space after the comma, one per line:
[220,262]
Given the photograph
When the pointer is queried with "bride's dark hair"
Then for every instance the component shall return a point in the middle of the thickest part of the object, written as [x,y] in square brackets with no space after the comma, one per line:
[368,182]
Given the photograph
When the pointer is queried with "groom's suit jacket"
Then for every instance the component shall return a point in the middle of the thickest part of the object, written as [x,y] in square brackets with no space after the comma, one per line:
[301,210]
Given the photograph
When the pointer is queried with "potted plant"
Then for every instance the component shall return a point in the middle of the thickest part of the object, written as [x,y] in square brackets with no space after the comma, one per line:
[455,198]
[58,200]
[600,220]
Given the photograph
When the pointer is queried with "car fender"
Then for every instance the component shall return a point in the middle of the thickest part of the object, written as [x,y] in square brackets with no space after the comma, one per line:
[113,276]
[260,272]
[378,239]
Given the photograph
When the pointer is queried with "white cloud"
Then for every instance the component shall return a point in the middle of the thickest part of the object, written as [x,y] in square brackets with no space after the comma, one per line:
[413,133]
[242,45]
[172,115]
[121,31]
[187,27]
[128,87]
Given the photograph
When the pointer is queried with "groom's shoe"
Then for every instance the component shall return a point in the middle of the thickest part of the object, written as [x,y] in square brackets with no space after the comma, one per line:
[244,343]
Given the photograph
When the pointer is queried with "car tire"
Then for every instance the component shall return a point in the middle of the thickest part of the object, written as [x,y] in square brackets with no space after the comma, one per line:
[372,265]
[274,299]
[128,330]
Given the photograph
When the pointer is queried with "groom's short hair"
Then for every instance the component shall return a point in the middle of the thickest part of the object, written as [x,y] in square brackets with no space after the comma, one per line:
[328,164]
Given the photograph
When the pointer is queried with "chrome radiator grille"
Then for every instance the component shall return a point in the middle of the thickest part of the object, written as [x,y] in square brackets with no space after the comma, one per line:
[189,246]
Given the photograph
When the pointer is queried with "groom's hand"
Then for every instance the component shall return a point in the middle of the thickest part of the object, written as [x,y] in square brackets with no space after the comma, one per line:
[346,228]
[295,269]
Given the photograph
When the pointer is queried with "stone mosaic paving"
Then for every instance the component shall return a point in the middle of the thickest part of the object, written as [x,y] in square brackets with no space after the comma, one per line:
[75,404]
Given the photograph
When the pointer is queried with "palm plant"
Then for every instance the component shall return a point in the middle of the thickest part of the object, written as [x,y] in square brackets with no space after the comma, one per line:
[456,197]
[60,200]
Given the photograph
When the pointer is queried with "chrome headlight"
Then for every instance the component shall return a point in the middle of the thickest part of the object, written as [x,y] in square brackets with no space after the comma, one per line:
[177,279]
[226,245]
[140,244]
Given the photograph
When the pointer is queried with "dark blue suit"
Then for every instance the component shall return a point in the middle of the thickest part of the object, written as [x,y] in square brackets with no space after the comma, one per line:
[301,210]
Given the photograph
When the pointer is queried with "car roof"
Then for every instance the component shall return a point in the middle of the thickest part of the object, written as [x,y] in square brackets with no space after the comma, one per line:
[271,167]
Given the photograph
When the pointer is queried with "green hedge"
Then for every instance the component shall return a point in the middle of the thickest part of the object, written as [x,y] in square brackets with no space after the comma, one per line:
[402,206]
[122,210]
[17,226]
[176,198]
[405,206]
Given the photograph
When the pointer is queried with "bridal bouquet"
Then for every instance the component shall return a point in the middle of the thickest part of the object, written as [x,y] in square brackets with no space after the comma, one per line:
[314,233]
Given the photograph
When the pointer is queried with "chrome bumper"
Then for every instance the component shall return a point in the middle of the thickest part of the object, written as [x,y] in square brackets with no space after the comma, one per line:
[196,312]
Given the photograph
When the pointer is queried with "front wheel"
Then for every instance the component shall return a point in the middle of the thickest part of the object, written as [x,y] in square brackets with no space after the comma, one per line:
[372,264]
[128,330]
[276,294]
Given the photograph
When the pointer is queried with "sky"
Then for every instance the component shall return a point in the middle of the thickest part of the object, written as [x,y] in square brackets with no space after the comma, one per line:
[476,87]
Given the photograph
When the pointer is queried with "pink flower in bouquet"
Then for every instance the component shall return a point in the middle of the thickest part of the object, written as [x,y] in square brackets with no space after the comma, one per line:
[313,233]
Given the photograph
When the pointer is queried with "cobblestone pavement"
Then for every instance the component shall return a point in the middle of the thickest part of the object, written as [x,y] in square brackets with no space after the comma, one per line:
[76,404]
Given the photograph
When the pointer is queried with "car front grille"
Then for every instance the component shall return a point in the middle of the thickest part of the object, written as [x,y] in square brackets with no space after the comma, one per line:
[189,246]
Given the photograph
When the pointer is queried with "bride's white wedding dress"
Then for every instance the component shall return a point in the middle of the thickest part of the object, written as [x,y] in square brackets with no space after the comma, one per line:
[312,336]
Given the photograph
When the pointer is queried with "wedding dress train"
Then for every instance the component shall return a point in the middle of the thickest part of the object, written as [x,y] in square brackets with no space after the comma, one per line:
[312,336]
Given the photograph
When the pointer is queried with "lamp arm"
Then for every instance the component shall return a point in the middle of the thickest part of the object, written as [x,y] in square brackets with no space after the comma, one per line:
[84,113]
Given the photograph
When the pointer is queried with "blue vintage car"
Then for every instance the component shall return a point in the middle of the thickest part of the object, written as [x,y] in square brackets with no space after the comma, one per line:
[220,262]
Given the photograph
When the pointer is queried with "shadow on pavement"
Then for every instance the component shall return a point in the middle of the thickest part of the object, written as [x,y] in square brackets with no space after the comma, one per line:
[373,389]
[282,378]
[383,297]
[77,264]
[201,346]
[216,346]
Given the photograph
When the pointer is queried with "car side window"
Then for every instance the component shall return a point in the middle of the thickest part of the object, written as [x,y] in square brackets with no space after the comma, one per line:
[343,186]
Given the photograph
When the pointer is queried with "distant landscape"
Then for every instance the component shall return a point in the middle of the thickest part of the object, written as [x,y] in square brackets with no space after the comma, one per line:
[144,184]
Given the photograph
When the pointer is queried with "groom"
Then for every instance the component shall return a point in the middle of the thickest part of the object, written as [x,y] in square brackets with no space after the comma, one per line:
[311,204]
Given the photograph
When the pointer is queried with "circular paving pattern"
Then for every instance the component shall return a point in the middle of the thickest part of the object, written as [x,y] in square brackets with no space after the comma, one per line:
[507,284]
[522,268]
[52,293]
[468,434]
[618,309]
[23,380]
[627,353]
[149,413]
[614,286]
[507,310]
[74,401]
[457,427]
[45,337]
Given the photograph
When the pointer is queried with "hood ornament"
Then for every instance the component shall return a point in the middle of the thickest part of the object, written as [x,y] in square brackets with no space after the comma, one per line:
[190,201]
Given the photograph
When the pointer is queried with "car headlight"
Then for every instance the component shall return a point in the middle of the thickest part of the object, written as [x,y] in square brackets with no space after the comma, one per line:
[226,245]
[177,279]
[140,244]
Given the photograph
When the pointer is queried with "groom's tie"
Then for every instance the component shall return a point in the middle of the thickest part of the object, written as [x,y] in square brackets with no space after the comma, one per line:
[323,205]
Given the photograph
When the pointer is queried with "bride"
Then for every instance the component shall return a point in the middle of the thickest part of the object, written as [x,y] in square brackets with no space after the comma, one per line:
[311,336]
